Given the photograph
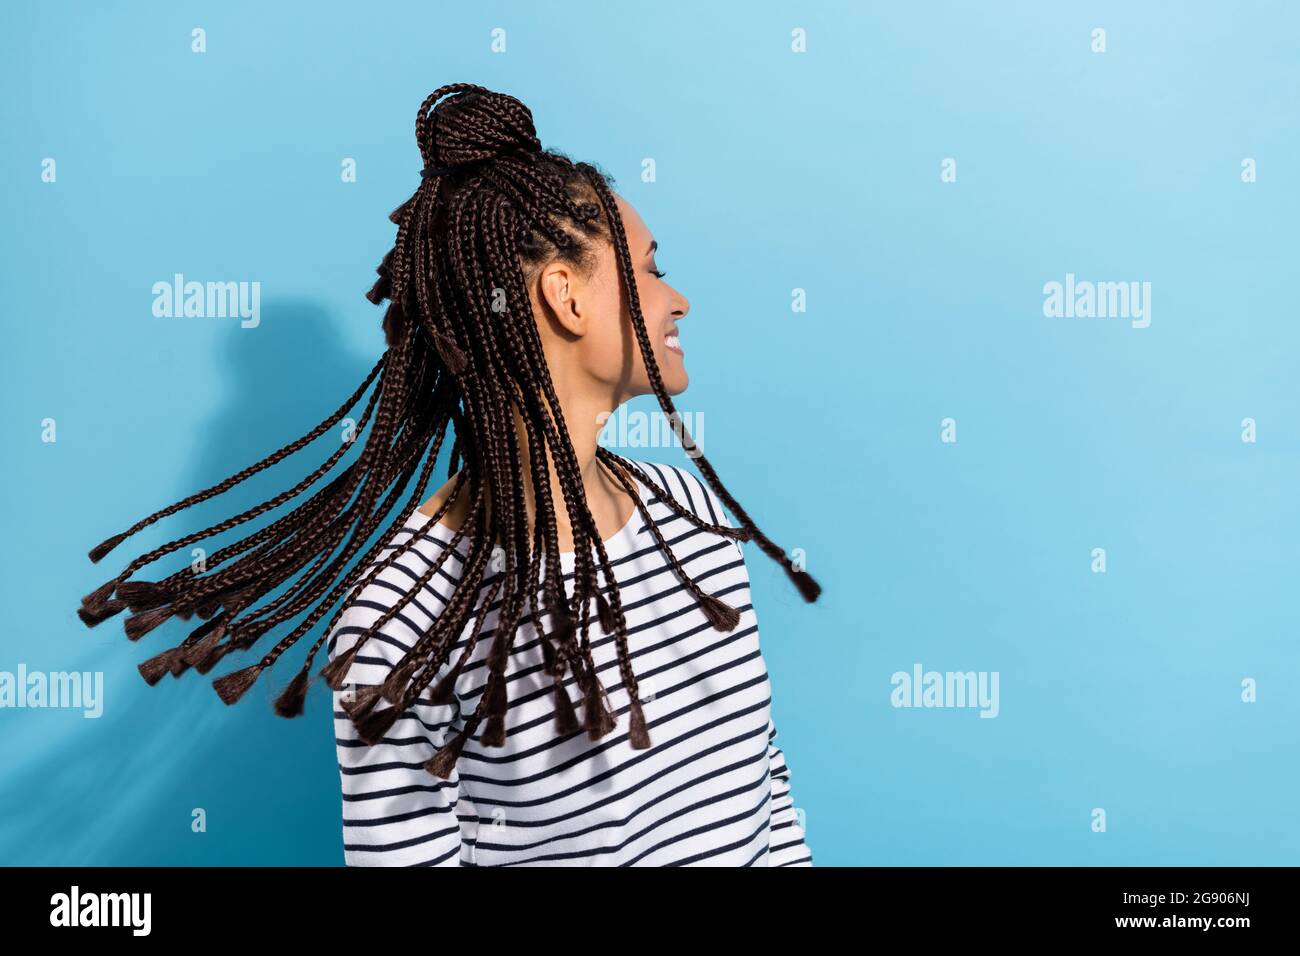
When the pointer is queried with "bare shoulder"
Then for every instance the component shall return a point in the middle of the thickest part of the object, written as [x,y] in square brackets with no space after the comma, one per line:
[454,515]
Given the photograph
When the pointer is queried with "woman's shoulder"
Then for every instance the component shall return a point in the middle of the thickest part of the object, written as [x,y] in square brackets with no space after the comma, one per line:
[688,489]
[396,591]
[455,515]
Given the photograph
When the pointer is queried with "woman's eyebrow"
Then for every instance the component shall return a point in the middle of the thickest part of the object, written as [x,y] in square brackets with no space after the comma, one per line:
[654,244]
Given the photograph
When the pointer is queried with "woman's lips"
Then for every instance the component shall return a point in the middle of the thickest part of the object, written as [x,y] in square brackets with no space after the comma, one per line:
[673,343]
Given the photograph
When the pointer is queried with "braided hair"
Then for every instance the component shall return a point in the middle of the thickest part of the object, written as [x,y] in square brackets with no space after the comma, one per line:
[491,207]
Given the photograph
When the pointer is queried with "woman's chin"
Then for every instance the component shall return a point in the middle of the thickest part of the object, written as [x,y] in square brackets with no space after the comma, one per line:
[672,368]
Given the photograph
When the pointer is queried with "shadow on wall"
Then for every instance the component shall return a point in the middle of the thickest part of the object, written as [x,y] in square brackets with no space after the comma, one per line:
[122,789]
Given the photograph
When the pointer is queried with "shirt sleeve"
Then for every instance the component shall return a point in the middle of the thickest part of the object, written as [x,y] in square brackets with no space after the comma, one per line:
[395,813]
[786,846]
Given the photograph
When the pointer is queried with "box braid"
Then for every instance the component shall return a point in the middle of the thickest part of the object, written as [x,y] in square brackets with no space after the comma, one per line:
[491,208]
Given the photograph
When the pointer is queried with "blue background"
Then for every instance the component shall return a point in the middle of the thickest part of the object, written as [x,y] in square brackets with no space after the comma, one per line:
[776,171]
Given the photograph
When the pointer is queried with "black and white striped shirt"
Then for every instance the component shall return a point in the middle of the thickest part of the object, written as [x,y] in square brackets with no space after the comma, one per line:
[712,790]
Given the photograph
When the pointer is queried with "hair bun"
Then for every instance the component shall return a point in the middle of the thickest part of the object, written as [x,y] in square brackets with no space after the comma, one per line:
[473,124]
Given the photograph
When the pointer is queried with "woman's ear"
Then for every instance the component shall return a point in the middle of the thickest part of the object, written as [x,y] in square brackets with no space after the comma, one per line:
[562,296]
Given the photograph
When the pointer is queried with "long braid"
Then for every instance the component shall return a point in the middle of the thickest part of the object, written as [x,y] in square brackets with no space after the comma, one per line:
[97,606]
[258,573]
[808,587]
[141,595]
[202,649]
[464,354]
[598,719]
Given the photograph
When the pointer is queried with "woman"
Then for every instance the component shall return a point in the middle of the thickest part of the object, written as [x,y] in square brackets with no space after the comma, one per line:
[525,305]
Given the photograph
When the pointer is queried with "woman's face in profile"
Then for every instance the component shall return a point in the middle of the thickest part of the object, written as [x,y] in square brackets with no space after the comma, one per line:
[591,320]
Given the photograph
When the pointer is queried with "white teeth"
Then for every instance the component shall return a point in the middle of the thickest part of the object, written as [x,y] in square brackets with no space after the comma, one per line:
[672,342]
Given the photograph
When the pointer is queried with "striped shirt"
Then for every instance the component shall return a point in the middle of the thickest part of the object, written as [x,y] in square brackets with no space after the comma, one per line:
[712,790]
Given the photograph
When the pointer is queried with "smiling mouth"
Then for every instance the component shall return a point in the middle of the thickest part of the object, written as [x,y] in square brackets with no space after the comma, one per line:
[673,343]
